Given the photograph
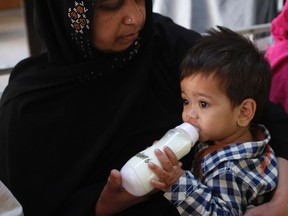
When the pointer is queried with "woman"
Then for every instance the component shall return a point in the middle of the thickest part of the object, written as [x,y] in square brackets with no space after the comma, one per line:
[106,88]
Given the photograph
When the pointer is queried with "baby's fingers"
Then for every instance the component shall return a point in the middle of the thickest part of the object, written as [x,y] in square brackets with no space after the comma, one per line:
[158,184]
[157,170]
[171,156]
[164,160]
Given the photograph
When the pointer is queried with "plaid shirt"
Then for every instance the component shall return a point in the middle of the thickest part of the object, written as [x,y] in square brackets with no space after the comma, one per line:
[235,178]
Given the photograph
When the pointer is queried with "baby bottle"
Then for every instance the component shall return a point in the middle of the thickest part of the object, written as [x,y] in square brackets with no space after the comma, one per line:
[136,175]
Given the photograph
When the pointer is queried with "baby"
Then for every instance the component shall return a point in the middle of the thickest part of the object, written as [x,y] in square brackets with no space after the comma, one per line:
[225,85]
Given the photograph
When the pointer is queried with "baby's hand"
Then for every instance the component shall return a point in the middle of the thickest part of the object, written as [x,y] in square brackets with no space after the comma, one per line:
[170,172]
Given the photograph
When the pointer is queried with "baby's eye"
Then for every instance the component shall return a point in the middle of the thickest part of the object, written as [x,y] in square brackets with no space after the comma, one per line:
[185,102]
[203,104]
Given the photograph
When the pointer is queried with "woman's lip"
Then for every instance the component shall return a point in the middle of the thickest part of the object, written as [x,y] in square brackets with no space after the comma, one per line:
[128,38]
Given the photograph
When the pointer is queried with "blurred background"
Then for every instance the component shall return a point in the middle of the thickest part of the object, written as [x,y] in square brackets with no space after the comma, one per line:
[19,39]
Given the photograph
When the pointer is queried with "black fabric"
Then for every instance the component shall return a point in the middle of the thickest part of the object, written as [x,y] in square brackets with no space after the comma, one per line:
[276,120]
[67,119]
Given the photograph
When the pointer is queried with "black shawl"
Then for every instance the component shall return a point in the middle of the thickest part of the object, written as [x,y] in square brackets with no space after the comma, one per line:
[71,114]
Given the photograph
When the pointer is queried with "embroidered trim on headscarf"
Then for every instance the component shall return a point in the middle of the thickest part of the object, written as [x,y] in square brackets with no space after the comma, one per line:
[122,58]
[119,61]
[78,17]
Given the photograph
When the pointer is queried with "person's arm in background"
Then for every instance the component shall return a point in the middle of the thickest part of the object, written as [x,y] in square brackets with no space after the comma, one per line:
[278,204]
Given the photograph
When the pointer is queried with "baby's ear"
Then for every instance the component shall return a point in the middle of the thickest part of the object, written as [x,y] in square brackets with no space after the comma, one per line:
[247,112]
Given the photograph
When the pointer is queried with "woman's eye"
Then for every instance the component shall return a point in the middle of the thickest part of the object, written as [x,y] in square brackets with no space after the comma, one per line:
[109,5]
[185,102]
[203,104]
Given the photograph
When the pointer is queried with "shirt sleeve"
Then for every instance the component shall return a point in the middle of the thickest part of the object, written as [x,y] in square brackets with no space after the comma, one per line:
[220,195]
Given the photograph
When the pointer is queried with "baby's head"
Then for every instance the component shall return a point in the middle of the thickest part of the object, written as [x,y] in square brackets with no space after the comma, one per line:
[238,66]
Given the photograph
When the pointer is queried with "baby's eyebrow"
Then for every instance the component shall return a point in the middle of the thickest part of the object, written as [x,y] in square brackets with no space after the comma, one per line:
[204,95]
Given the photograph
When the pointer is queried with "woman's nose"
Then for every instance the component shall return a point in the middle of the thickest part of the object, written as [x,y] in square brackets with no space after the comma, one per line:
[134,14]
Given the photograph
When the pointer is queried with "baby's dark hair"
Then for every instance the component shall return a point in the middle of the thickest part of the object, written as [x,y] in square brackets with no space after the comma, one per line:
[234,60]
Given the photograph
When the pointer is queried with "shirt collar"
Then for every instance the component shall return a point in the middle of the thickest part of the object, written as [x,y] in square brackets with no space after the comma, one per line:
[236,151]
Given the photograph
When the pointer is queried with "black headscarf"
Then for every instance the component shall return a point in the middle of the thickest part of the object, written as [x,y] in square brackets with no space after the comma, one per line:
[65,28]
[71,114]
[68,37]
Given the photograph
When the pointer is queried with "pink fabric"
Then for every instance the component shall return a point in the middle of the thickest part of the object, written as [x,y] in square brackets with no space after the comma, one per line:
[277,55]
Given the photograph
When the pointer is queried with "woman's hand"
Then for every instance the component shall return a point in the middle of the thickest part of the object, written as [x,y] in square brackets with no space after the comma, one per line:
[170,172]
[278,204]
[114,198]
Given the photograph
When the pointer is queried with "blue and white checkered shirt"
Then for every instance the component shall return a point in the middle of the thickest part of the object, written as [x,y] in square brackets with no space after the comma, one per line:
[235,178]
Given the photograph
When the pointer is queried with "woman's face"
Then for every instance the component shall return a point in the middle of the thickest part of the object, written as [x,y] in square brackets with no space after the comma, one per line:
[117,23]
